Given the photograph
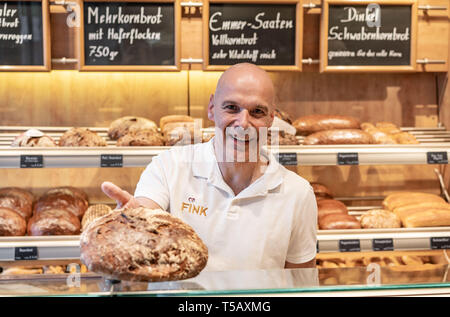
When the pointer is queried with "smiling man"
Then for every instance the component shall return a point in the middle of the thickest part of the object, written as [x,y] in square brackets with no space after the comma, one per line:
[250,211]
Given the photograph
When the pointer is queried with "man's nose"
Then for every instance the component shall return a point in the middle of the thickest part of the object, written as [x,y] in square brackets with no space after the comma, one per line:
[244,119]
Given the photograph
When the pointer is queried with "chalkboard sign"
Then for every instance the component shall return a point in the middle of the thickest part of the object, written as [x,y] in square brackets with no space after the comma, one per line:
[24,36]
[262,33]
[123,35]
[368,35]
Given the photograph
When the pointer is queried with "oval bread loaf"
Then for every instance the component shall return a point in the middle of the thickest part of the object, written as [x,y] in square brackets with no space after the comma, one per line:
[344,136]
[306,125]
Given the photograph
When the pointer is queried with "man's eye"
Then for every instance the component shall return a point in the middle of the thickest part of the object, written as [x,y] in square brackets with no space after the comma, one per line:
[258,112]
[231,107]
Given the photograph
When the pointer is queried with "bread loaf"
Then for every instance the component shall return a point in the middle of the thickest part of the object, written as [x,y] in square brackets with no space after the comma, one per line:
[141,138]
[94,212]
[11,223]
[405,138]
[326,207]
[407,210]
[380,137]
[338,221]
[81,137]
[319,122]
[19,193]
[432,217]
[400,199]
[321,191]
[283,139]
[174,119]
[33,138]
[345,136]
[18,200]
[70,190]
[129,124]
[142,245]
[51,222]
[379,218]
[387,127]
[59,200]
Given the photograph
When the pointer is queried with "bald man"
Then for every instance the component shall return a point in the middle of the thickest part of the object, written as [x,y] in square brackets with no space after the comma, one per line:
[251,212]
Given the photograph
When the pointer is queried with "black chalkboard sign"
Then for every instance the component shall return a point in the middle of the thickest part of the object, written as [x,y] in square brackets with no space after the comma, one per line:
[368,36]
[124,35]
[268,35]
[24,35]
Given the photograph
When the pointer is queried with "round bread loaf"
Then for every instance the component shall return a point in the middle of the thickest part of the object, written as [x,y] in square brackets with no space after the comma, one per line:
[60,200]
[81,137]
[128,124]
[326,207]
[338,221]
[321,191]
[142,244]
[18,192]
[11,223]
[380,218]
[141,138]
[94,212]
[51,222]
[69,190]
[19,205]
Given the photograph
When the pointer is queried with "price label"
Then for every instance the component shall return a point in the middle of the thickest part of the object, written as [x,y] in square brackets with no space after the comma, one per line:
[440,243]
[111,160]
[31,161]
[383,244]
[351,245]
[437,158]
[25,253]
[287,158]
[347,159]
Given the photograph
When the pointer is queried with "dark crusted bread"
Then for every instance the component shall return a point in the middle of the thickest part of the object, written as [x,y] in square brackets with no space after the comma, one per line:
[70,191]
[19,205]
[18,192]
[81,137]
[51,222]
[125,125]
[142,244]
[141,138]
[11,223]
[62,200]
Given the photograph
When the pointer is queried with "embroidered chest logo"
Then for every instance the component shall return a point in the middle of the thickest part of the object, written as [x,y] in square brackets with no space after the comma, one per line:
[193,208]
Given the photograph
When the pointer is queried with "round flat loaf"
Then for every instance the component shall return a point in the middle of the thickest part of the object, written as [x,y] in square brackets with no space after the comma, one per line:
[142,244]
[81,137]
[127,124]
[61,200]
[70,191]
[11,223]
[52,222]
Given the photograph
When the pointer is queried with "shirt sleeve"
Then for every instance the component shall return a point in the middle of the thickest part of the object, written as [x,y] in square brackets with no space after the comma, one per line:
[153,183]
[303,241]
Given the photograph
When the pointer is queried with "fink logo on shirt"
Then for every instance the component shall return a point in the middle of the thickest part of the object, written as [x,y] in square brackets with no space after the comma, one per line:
[192,208]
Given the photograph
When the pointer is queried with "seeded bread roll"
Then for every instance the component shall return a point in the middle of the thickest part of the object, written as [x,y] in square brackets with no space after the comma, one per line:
[129,124]
[142,245]
[319,122]
[141,138]
[380,218]
[81,137]
[344,136]
[52,222]
[11,223]
[338,221]
[60,200]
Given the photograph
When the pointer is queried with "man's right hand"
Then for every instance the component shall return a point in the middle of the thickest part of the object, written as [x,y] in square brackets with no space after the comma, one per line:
[123,198]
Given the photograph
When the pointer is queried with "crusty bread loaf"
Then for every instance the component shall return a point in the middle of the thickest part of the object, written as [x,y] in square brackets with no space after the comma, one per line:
[81,137]
[70,190]
[141,138]
[33,138]
[11,223]
[180,133]
[379,218]
[306,125]
[338,221]
[321,191]
[400,199]
[19,205]
[344,136]
[122,126]
[61,200]
[55,221]
[407,210]
[94,212]
[432,217]
[326,207]
[143,245]
[173,119]
[18,192]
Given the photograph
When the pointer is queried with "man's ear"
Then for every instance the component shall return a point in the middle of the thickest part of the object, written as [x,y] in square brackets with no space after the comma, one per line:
[211,108]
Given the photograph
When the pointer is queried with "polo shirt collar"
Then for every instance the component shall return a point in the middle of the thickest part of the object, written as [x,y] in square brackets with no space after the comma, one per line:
[205,165]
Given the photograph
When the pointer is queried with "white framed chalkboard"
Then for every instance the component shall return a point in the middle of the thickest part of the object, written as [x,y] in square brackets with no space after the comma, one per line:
[368,36]
[142,35]
[24,35]
[263,32]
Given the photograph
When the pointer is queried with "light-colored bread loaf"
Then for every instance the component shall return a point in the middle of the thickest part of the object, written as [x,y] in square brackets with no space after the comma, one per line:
[400,199]
[174,119]
[427,218]
[379,218]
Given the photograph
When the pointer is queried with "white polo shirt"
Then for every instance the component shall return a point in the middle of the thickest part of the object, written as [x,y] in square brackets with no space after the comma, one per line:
[272,221]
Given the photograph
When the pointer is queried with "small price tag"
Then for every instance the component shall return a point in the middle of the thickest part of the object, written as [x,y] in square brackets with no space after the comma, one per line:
[440,243]
[31,161]
[437,158]
[111,160]
[347,159]
[352,245]
[287,158]
[383,244]
[25,253]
